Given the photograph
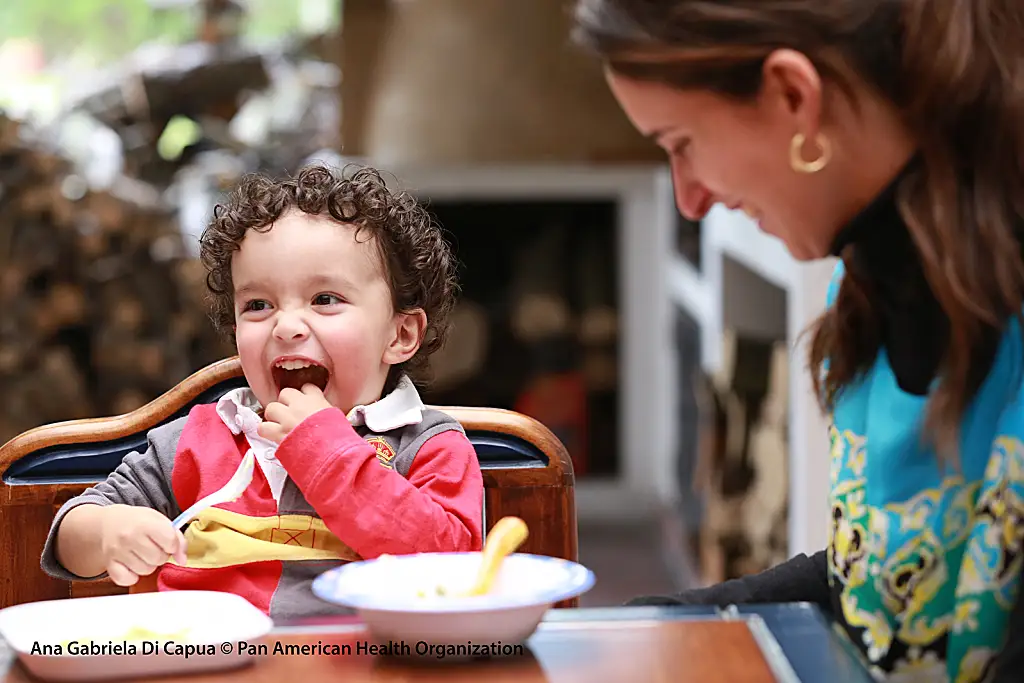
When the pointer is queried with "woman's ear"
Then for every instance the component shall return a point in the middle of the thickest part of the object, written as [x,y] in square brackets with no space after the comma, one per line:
[410,328]
[793,88]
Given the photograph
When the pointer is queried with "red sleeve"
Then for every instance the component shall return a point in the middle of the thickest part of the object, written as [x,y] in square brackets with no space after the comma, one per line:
[374,510]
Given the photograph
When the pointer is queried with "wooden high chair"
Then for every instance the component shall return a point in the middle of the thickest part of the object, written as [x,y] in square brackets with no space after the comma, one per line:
[526,469]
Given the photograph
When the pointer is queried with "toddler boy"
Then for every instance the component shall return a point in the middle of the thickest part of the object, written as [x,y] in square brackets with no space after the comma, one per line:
[336,291]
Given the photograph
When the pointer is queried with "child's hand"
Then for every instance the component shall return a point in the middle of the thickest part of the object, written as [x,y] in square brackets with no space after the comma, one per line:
[134,541]
[291,408]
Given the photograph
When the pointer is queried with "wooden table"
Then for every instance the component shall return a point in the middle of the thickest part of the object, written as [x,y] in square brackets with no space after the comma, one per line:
[584,646]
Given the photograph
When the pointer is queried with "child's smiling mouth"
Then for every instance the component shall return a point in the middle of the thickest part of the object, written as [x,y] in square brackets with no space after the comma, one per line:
[294,373]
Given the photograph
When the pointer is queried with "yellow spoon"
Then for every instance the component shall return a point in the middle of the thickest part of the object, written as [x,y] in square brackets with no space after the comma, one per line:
[505,536]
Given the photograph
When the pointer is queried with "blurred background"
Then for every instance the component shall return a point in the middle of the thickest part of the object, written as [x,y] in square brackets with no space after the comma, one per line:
[656,348]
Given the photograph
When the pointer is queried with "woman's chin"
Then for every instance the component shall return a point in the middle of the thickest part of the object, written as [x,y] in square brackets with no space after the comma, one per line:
[805,253]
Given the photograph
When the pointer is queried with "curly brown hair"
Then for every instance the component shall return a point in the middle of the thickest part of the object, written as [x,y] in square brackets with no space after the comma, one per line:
[418,262]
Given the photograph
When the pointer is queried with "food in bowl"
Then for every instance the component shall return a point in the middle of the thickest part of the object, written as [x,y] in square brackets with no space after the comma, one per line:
[437,591]
[502,540]
[419,598]
[135,634]
[143,633]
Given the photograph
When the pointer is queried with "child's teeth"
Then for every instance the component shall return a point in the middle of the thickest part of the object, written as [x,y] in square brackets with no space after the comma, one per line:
[294,364]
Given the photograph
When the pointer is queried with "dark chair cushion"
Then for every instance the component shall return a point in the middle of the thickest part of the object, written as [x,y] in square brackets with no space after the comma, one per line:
[92,462]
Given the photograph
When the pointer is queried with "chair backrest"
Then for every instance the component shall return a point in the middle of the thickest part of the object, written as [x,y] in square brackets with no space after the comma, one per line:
[527,473]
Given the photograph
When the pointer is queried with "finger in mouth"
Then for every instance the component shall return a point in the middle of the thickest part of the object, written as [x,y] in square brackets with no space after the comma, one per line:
[316,375]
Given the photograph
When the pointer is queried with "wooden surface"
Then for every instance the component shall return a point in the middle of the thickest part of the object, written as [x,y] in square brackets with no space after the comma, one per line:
[704,651]
[543,496]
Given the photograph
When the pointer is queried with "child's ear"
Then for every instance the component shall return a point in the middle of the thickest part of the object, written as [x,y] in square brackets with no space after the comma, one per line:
[409,331]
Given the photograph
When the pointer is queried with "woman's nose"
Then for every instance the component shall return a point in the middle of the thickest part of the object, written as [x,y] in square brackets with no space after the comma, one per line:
[692,199]
[290,327]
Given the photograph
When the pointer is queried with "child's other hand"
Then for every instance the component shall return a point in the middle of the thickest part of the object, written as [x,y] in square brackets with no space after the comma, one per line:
[137,540]
[291,408]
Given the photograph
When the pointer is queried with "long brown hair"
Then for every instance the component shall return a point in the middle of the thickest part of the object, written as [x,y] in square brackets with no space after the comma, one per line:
[955,70]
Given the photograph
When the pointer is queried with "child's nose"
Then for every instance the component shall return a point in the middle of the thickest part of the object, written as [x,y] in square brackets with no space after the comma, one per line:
[290,327]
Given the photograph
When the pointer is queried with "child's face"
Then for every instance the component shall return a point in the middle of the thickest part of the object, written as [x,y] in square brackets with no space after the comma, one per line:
[312,306]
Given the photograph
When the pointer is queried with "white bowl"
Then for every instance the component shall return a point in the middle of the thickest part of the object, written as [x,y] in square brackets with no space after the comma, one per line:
[189,632]
[388,594]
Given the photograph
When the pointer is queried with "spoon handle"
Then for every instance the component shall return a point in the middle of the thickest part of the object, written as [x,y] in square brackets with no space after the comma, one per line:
[196,507]
[231,491]
[502,540]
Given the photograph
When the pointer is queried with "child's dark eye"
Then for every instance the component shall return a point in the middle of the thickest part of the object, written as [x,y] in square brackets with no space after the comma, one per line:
[326,299]
[256,305]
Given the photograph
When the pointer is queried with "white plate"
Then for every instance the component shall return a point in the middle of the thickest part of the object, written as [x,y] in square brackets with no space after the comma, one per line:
[88,639]
[387,595]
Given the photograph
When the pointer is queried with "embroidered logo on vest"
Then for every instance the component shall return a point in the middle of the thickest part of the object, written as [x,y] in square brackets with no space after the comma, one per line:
[385,454]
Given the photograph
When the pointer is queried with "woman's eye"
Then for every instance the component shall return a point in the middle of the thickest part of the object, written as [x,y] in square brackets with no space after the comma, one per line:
[681,147]
[326,299]
[256,305]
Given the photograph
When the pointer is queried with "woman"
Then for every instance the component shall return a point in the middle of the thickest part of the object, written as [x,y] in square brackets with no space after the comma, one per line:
[889,133]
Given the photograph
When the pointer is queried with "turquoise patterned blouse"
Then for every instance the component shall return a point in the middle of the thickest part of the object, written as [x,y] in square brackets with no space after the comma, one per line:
[924,563]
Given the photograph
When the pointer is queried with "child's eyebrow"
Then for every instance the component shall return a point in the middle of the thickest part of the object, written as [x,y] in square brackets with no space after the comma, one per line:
[249,287]
[328,281]
[311,282]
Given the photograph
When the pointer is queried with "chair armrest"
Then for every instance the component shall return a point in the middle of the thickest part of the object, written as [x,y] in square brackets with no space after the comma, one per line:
[54,443]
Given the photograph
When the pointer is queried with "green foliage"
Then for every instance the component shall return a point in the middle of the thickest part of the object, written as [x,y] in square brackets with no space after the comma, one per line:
[102,31]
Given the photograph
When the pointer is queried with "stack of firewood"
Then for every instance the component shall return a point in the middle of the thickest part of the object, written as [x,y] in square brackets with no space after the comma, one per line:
[101,310]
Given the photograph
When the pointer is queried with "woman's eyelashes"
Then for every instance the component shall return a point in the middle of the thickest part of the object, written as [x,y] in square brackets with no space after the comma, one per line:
[680,147]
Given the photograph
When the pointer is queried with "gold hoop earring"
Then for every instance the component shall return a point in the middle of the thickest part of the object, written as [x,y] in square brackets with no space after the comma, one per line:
[796,159]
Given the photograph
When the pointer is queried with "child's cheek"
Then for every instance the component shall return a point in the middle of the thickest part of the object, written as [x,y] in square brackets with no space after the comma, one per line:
[249,343]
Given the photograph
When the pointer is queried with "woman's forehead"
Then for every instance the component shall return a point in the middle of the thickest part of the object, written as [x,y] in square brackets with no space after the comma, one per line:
[656,108]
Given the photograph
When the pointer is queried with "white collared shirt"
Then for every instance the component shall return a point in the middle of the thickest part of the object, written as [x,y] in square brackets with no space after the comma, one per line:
[239,410]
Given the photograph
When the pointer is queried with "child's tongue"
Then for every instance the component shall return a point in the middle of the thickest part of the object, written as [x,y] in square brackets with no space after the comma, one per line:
[295,379]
